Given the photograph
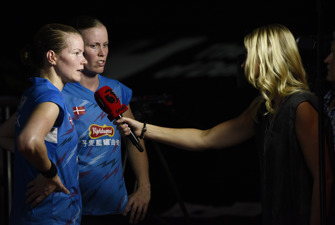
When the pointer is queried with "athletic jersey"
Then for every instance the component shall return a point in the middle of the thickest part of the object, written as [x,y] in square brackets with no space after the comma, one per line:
[61,143]
[100,162]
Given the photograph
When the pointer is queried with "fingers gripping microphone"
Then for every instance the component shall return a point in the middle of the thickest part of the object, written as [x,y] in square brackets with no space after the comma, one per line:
[109,102]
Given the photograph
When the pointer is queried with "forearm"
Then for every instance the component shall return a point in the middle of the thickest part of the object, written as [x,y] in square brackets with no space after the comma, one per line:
[36,154]
[184,138]
[138,160]
[315,205]
[139,163]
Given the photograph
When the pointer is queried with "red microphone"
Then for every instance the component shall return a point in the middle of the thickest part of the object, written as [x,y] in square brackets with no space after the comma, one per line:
[109,102]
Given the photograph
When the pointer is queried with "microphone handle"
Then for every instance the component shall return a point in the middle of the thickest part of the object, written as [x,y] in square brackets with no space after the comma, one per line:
[133,138]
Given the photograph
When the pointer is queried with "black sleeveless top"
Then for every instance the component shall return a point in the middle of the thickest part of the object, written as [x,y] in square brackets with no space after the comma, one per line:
[286,181]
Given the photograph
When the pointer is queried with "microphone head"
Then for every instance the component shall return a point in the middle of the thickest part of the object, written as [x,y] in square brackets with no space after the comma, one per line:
[109,102]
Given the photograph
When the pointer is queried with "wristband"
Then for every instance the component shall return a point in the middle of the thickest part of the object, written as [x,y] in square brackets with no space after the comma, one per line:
[51,172]
[144,129]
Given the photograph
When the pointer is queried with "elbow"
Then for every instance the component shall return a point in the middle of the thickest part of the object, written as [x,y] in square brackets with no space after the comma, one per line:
[26,145]
[204,143]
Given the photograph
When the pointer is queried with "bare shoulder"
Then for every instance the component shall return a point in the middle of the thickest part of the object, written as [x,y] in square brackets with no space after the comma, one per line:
[305,109]
[306,115]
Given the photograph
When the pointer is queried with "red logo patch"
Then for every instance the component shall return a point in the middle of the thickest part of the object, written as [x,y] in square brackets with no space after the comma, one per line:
[97,131]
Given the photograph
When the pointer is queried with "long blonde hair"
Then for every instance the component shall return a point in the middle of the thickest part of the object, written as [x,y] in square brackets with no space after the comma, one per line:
[273,64]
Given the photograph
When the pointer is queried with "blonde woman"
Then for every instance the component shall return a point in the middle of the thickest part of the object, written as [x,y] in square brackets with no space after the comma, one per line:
[284,121]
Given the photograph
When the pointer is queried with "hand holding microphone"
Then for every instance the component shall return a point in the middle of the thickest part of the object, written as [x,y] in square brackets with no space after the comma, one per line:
[127,125]
[109,102]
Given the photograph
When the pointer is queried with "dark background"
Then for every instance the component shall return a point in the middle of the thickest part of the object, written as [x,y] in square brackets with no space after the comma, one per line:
[195,91]
[160,20]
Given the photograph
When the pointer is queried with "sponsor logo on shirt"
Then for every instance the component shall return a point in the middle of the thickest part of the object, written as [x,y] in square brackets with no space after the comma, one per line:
[97,131]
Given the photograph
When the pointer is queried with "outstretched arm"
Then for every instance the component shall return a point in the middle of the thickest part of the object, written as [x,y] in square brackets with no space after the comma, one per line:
[223,135]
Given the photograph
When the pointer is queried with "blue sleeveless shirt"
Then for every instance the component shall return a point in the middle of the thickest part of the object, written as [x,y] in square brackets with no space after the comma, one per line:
[100,162]
[61,142]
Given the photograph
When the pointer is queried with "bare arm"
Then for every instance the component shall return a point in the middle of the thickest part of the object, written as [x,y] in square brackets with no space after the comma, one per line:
[224,135]
[31,145]
[307,133]
[7,133]
[31,139]
[140,199]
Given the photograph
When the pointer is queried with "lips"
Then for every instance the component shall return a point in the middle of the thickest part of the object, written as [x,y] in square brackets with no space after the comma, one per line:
[101,62]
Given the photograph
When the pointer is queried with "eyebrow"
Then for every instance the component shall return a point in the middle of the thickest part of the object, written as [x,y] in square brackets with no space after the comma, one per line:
[97,42]
[77,49]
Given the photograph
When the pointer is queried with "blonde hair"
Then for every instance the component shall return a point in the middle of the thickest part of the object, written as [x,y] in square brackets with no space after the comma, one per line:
[273,64]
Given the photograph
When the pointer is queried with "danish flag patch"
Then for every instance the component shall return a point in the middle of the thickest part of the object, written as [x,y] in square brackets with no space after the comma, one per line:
[79,110]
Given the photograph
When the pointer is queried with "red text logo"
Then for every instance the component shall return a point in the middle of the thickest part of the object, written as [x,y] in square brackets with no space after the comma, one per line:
[97,131]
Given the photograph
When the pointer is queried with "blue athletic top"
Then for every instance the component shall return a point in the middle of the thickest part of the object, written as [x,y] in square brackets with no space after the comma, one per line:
[61,143]
[100,162]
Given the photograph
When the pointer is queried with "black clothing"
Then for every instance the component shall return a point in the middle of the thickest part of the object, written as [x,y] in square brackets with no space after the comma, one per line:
[286,181]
